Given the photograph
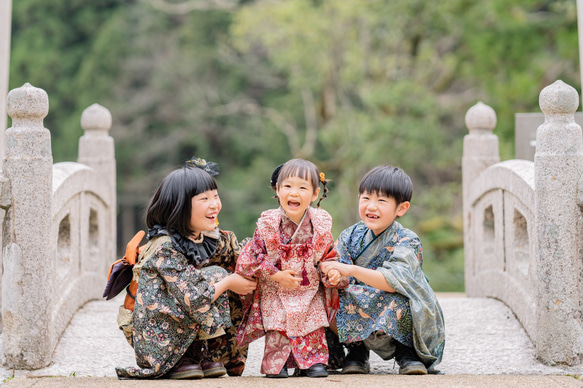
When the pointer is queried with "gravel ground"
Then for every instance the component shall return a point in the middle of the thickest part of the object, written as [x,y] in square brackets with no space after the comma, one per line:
[483,337]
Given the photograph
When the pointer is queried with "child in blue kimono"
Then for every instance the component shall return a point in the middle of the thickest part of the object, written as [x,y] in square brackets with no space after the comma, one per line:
[389,307]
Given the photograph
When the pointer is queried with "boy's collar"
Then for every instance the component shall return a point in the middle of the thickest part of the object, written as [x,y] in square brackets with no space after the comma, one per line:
[381,233]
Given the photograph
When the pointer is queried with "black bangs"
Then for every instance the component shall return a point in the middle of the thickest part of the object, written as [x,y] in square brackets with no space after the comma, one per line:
[388,180]
[197,181]
[301,168]
[171,205]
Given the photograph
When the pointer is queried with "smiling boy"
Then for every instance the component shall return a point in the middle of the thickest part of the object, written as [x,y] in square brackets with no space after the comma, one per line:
[389,306]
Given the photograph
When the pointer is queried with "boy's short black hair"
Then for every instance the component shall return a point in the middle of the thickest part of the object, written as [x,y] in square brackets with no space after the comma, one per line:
[388,180]
[171,205]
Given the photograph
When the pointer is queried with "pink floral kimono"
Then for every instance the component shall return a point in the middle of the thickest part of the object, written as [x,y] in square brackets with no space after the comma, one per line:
[292,321]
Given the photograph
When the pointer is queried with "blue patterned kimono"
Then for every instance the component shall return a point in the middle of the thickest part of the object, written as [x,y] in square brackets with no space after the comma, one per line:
[410,315]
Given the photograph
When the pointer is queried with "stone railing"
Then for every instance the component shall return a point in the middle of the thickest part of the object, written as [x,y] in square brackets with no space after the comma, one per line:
[523,225]
[59,227]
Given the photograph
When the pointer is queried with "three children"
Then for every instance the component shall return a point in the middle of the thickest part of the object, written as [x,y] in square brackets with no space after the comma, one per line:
[385,303]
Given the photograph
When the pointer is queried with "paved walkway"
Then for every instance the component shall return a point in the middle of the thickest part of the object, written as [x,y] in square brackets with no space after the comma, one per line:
[485,347]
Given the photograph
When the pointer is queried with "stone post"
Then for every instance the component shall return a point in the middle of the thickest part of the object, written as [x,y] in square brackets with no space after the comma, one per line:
[27,280]
[96,150]
[558,163]
[480,152]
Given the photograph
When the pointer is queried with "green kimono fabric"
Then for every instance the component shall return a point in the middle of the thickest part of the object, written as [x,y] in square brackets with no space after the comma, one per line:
[173,305]
[412,313]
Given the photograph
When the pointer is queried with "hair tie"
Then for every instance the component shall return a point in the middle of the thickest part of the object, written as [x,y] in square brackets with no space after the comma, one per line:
[275,176]
[324,183]
[211,168]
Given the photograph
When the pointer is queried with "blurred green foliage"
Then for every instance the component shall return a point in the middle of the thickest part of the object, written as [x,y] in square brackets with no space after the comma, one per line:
[345,83]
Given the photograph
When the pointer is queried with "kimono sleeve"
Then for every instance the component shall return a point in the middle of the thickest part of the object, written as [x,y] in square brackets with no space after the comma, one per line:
[253,260]
[192,289]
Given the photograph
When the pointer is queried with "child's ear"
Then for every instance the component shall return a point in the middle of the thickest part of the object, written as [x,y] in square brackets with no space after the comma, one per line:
[315,196]
[402,208]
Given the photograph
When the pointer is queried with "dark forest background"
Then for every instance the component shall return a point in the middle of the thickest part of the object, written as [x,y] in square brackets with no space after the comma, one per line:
[250,84]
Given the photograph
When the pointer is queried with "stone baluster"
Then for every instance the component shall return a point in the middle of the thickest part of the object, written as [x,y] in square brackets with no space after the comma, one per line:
[480,152]
[558,164]
[27,280]
[96,150]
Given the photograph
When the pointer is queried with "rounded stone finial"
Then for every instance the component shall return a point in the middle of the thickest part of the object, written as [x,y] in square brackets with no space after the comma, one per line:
[96,118]
[27,103]
[558,98]
[481,117]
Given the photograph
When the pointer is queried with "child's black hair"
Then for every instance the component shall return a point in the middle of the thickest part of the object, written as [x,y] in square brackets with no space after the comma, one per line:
[303,169]
[388,180]
[171,205]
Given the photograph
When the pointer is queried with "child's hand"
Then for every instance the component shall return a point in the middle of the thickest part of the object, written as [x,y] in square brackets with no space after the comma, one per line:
[241,284]
[287,278]
[334,276]
[327,266]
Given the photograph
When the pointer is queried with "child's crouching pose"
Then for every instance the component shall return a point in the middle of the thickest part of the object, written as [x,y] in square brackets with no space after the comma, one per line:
[290,306]
[389,306]
[182,324]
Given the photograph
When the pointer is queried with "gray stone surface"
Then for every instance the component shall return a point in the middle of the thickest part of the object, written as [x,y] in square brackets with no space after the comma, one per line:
[58,227]
[523,224]
[558,165]
[482,338]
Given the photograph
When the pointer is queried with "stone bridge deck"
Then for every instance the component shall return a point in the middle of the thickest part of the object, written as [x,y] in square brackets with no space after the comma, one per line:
[483,338]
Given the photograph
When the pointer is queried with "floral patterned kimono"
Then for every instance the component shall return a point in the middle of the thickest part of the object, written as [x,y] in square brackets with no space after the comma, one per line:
[410,315]
[292,320]
[174,304]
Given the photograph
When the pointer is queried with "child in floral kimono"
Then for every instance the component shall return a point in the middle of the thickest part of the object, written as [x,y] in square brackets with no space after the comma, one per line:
[290,306]
[181,325]
[389,306]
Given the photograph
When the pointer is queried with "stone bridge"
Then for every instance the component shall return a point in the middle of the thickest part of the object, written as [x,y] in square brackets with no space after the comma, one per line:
[522,223]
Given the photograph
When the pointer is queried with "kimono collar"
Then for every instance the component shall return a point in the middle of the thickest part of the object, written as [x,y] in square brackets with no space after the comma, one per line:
[196,254]
[370,238]
[290,228]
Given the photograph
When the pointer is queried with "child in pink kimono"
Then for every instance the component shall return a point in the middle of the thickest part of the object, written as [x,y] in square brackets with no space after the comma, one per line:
[294,301]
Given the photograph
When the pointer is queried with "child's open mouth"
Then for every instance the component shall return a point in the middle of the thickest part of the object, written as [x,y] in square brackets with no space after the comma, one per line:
[374,217]
[293,204]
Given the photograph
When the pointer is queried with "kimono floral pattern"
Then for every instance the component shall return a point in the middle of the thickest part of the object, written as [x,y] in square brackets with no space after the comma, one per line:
[411,314]
[174,303]
[305,351]
[299,314]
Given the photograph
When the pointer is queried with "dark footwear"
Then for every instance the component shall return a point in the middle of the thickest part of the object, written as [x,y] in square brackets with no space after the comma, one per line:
[185,369]
[281,375]
[336,355]
[356,361]
[212,368]
[198,352]
[317,370]
[235,368]
[409,362]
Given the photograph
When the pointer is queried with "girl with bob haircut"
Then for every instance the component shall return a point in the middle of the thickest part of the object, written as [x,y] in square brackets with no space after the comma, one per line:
[183,325]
